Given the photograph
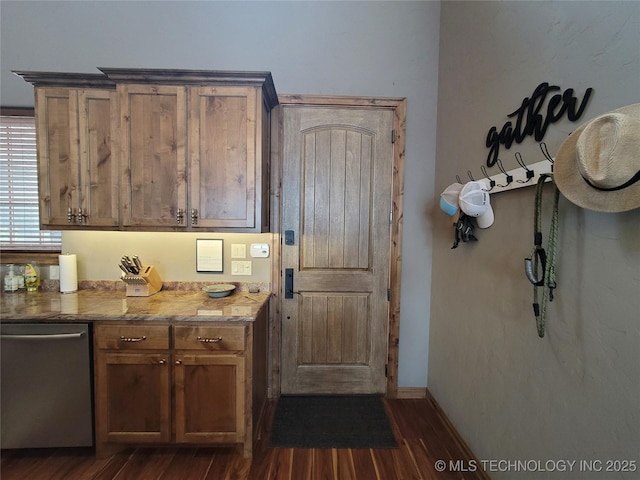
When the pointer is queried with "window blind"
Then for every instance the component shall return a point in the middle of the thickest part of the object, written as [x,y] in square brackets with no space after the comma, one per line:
[19,218]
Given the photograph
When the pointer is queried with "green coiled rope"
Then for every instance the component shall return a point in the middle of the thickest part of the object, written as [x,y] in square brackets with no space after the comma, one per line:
[548,282]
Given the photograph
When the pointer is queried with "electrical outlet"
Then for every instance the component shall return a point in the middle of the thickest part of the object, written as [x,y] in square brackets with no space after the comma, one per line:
[54,272]
[241,267]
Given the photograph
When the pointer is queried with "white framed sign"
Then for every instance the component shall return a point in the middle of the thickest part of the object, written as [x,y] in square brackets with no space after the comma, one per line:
[209,255]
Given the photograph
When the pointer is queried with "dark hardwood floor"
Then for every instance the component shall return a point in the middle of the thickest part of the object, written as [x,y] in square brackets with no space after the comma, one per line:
[423,434]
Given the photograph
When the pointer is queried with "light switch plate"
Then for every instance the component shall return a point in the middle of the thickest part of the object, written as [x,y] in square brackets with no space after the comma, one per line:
[238,250]
[240,267]
[259,250]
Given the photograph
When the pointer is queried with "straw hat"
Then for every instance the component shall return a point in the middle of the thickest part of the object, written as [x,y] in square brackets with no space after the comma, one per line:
[598,166]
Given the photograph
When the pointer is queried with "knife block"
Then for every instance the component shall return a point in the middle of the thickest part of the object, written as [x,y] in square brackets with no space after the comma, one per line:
[143,284]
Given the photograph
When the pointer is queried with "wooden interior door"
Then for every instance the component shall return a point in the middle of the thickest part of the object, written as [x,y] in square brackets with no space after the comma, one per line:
[336,204]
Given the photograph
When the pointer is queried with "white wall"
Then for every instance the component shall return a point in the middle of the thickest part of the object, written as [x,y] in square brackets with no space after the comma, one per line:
[575,393]
[341,48]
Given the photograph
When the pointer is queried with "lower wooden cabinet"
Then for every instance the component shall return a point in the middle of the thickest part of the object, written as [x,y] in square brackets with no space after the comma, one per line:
[135,397]
[209,393]
[179,384]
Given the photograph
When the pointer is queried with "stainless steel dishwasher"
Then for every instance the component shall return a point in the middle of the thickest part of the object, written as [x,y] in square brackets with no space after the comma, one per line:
[45,386]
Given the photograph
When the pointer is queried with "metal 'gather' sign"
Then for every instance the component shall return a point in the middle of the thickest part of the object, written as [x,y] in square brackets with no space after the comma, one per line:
[532,120]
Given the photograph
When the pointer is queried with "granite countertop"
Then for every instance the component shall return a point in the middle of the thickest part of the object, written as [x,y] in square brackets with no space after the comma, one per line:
[114,305]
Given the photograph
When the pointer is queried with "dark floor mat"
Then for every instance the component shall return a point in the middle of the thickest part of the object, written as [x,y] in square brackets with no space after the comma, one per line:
[324,421]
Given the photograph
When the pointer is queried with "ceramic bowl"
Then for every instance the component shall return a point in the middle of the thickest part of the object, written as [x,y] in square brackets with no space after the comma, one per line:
[219,290]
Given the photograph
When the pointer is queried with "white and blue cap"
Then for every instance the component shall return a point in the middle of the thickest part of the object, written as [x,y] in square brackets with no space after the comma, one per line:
[474,201]
[449,199]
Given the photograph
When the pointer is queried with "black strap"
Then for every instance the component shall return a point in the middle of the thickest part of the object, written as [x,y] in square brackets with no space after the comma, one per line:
[463,231]
[628,183]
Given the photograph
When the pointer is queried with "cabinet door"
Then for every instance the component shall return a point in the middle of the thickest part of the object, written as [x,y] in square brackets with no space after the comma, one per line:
[133,397]
[153,123]
[99,167]
[58,166]
[222,149]
[210,398]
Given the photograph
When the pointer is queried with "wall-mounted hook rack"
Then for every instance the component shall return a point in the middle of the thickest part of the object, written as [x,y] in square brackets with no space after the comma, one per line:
[508,177]
[491,182]
[520,179]
[522,176]
[529,173]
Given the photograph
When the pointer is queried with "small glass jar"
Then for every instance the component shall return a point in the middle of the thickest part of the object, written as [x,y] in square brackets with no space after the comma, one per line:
[10,279]
[19,275]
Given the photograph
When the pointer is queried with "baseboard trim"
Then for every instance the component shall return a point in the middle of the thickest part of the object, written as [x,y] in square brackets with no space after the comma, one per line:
[412,392]
[454,433]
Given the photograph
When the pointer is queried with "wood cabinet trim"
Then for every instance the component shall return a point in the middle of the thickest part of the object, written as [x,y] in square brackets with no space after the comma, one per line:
[56,79]
[332,100]
[195,77]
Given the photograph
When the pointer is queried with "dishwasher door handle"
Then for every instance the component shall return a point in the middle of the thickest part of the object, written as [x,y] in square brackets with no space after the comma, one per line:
[52,336]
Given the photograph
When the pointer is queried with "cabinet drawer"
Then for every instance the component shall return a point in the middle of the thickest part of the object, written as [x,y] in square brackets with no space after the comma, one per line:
[209,337]
[132,337]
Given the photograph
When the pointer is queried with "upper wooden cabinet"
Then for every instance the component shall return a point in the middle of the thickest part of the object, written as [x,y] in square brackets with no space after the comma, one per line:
[153,134]
[191,149]
[225,158]
[75,128]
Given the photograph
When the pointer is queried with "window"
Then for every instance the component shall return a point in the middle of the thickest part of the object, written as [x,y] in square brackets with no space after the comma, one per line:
[19,218]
